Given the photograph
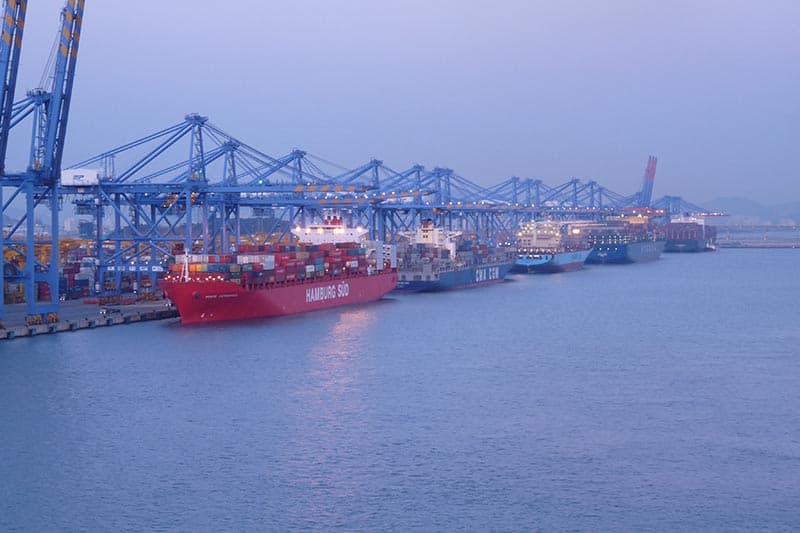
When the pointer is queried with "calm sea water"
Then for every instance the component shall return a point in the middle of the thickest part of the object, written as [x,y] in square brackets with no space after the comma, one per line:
[661,396]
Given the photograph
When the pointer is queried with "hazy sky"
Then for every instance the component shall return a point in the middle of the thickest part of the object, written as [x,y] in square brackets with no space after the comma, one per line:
[550,90]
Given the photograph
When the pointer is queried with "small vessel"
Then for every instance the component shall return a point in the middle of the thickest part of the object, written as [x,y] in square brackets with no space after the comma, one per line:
[549,246]
[437,260]
[689,234]
[330,266]
[624,240]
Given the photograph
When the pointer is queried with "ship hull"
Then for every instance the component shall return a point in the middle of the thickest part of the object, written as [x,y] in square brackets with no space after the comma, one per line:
[633,252]
[549,263]
[453,279]
[689,236]
[216,301]
[689,245]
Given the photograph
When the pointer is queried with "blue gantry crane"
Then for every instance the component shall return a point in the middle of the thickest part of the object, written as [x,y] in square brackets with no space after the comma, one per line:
[10,50]
[39,183]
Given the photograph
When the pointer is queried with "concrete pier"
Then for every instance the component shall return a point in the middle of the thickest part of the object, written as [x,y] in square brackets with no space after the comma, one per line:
[75,315]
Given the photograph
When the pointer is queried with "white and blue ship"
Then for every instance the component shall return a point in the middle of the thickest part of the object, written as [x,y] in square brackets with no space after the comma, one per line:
[549,246]
[550,261]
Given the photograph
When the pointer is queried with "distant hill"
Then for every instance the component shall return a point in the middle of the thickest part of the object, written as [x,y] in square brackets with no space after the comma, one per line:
[744,211]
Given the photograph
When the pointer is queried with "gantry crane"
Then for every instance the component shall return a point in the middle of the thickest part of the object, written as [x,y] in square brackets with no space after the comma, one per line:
[647,185]
[10,50]
[39,183]
[157,204]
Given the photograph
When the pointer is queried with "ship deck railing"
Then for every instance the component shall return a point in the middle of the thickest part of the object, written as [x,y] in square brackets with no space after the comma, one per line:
[552,250]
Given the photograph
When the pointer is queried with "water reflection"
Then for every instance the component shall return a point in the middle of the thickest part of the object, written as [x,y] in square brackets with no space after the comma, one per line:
[327,414]
[334,360]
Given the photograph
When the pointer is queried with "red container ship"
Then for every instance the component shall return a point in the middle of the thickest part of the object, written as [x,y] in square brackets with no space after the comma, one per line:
[689,234]
[332,267]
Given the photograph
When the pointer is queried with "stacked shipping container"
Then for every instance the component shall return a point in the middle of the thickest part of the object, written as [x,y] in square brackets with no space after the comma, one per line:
[256,265]
[468,254]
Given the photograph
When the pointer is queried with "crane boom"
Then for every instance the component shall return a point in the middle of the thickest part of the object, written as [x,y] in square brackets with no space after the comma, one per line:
[60,96]
[647,185]
[10,49]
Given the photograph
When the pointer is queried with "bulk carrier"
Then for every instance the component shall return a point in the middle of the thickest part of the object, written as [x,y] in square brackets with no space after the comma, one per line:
[549,246]
[689,234]
[333,266]
[624,240]
[437,260]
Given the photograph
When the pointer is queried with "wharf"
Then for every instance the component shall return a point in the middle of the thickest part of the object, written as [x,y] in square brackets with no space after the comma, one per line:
[758,244]
[75,315]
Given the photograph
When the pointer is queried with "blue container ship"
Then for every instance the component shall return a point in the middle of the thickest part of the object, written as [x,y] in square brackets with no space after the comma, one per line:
[624,241]
[549,246]
[438,279]
[438,260]
[626,252]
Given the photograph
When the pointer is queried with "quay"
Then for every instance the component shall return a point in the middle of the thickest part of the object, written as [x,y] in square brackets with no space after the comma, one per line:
[758,244]
[75,315]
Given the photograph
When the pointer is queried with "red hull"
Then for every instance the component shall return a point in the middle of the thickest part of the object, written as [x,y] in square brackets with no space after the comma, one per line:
[215,301]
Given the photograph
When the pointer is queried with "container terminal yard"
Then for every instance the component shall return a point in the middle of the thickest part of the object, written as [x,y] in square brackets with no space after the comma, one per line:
[192,188]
